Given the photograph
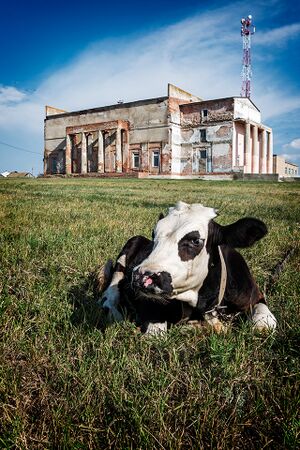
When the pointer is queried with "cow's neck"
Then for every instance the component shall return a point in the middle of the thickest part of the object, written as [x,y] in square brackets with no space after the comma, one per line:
[216,288]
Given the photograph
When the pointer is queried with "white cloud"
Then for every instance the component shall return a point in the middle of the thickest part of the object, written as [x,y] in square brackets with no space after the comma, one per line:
[9,94]
[295,143]
[293,147]
[278,36]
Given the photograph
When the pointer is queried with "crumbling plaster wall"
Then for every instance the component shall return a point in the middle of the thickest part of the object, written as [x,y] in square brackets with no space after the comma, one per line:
[177,97]
[148,122]
[218,126]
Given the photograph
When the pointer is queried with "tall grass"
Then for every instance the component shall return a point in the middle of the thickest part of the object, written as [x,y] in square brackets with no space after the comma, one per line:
[65,383]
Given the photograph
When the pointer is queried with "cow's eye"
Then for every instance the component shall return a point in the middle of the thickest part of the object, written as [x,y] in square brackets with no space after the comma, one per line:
[196,242]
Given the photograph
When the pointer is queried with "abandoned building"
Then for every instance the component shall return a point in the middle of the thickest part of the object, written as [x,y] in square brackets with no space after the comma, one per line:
[179,134]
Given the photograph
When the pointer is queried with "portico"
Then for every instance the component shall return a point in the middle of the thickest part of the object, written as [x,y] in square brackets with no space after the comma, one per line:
[253,147]
[98,147]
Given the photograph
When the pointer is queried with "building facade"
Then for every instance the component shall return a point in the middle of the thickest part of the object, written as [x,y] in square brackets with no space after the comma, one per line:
[284,168]
[179,134]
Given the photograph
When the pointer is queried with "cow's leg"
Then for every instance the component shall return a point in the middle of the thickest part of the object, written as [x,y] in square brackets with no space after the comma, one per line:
[111,297]
[262,318]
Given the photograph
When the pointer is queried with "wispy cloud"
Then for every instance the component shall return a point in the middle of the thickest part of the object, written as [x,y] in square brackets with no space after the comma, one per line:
[278,36]
[9,94]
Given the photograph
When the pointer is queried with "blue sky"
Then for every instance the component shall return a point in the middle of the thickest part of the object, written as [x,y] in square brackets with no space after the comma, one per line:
[93,53]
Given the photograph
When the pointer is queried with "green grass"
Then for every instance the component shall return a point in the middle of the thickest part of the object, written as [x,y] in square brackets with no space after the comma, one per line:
[66,384]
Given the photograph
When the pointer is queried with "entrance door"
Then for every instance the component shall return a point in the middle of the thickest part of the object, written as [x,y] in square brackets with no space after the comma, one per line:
[199,161]
[76,153]
[92,152]
[109,152]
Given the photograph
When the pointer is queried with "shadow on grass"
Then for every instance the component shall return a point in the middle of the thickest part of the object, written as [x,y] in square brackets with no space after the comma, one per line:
[84,297]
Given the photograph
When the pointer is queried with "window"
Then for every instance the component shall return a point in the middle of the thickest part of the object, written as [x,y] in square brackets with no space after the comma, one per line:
[203,154]
[285,170]
[155,158]
[203,135]
[204,113]
[136,160]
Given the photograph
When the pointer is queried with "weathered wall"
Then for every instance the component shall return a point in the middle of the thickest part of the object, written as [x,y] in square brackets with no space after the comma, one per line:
[245,109]
[177,97]
[211,152]
[148,123]
[217,110]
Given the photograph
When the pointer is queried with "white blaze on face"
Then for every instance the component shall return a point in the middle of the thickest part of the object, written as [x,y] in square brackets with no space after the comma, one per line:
[187,275]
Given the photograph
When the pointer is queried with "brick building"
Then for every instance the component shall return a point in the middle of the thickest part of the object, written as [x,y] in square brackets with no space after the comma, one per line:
[179,134]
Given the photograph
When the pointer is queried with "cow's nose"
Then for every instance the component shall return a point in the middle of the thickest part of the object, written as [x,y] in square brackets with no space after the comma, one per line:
[151,280]
[140,278]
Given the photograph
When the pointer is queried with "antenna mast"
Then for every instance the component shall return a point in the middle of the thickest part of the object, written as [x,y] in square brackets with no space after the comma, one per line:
[247,29]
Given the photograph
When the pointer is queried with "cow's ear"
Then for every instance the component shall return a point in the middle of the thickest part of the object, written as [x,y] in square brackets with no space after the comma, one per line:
[161,216]
[243,233]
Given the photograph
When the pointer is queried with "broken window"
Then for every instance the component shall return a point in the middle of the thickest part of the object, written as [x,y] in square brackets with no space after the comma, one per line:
[136,160]
[203,135]
[155,158]
[204,114]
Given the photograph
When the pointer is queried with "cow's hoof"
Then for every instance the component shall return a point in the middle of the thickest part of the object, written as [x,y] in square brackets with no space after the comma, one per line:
[155,329]
[194,323]
[218,326]
[262,318]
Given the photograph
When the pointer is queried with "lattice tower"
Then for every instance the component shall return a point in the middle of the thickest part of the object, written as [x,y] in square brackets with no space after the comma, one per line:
[247,30]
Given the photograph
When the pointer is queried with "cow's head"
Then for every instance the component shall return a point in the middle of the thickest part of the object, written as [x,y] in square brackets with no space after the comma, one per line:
[183,241]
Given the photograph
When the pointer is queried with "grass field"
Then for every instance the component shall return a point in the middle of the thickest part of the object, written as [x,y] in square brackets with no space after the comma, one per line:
[65,384]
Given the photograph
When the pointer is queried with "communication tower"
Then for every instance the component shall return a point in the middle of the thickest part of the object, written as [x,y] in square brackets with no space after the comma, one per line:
[247,29]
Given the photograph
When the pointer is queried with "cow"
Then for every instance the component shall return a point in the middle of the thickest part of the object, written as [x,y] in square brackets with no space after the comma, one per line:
[189,271]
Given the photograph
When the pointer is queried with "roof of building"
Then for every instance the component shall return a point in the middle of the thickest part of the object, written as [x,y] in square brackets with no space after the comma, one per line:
[19,174]
[285,161]
[222,99]
[109,107]
[5,174]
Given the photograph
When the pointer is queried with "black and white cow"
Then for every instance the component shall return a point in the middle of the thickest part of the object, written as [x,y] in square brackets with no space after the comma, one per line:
[190,269]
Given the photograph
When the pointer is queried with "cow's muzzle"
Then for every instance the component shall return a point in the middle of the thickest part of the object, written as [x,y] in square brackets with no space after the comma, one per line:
[152,282]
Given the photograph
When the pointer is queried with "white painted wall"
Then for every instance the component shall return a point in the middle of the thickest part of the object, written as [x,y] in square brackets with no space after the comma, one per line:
[244,109]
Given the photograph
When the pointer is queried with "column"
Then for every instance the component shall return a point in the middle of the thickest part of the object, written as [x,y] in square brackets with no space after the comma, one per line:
[119,167]
[255,154]
[247,149]
[100,168]
[83,154]
[125,147]
[270,153]
[263,156]
[68,155]
[45,163]
[234,146]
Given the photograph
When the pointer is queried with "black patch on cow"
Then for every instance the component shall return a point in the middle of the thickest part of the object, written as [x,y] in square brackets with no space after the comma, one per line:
[119,268]
[241,289]
[241,234]
[190,246]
